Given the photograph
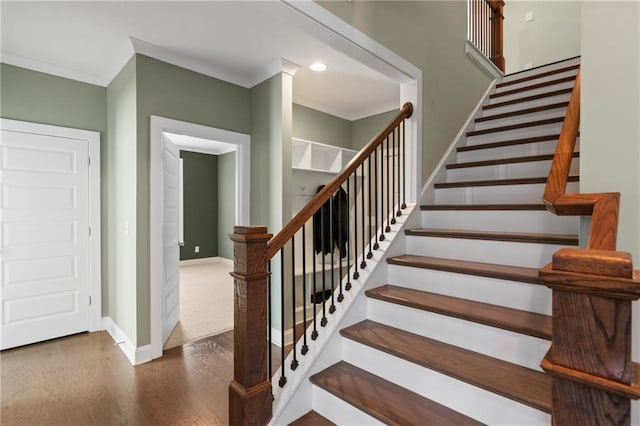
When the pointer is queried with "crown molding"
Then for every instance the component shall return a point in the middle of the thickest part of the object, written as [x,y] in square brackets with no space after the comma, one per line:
[53,69]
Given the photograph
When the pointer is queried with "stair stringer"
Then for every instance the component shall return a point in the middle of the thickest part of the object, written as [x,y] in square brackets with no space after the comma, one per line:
[297,396]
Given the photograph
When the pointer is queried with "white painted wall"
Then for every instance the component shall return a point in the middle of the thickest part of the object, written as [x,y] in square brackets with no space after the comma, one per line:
[552,35]
[610,121]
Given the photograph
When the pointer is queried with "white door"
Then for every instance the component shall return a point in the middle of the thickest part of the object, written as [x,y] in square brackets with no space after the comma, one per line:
[44,215]
[170,236]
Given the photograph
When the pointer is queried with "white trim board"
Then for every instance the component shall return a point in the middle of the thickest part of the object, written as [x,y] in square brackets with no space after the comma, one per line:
[95,249]
[243,190]
[134,355]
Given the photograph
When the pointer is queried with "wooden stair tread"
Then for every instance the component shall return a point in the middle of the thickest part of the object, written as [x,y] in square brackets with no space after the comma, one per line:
[496,182]
[533,87]
[482,207]
[529,98]
[384,400]
[507,160]
[540,75]
[512,381]
[523,322]
[312,419]
[515,126]
[482,269]
[518,237]
[501,144]
[522,112]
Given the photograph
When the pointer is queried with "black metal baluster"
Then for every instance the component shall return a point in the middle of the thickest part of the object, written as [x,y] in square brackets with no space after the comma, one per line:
[332,239]
[323,321]
[382,228]
[270,355]
[393,176]
[340,242]
[370,254]
[314,333]
[283,379]
[304,348]
[363,193]
[404,171]
[375,203]
[294,361]
[356,274]
[386,211]
[347,286]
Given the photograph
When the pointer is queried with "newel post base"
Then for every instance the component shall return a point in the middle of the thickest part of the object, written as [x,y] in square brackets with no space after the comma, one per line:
[590,355]
[250,394]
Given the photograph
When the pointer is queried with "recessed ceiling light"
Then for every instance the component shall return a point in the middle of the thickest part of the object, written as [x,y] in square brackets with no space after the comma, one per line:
[318,66]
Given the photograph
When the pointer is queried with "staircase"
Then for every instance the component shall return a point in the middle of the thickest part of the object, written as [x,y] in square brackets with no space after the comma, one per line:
[457,332]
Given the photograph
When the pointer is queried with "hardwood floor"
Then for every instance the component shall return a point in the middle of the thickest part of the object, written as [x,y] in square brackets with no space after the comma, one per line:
[86,380]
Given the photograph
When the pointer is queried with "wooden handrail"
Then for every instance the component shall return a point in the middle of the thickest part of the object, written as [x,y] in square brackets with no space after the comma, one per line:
[602,207]
[559,173]
[329,189]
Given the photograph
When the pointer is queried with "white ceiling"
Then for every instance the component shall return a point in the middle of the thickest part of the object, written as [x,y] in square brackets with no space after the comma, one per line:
[237,41]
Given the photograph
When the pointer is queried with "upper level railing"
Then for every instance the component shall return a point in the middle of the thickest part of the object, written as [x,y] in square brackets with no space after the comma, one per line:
[485,22]
[590,354]
[293,281]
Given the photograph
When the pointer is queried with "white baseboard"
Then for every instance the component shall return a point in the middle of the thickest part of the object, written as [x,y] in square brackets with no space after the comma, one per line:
[135,355]
[206,261]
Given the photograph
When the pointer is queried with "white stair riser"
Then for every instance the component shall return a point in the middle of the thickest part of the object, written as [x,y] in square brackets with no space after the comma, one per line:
[539,221]
[542,69]
[548,100]
[512,294]
[532,92]
[510,151]
[521,118]
[529,193]
[570,73]
[506,171]
[472,401]
[507,253]
[506,135]
[506,345]
[339,411]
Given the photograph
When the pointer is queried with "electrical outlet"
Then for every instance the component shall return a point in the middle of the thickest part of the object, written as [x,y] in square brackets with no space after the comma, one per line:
[197,249]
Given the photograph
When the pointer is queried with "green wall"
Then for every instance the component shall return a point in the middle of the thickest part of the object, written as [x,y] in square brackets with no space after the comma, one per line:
[321,127]
[365,129]
[121,222]
[37,97]
[200,205]
[170,91]
[226,203]
[431,35]
[610,113]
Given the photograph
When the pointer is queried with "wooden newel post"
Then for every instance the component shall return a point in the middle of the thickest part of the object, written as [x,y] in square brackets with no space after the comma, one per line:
[498,34]
[590,355]
[250,395]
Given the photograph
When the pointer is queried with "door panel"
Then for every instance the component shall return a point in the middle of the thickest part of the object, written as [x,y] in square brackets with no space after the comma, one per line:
[44,215]
[170,237]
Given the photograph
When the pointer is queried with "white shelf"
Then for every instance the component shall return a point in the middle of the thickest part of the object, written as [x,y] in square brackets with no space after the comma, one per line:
[318,157]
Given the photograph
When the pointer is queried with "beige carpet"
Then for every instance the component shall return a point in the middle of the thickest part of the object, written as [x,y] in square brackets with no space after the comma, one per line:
[206,301]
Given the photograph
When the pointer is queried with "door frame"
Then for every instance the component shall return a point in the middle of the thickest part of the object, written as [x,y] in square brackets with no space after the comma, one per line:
[159,125]
[92,138]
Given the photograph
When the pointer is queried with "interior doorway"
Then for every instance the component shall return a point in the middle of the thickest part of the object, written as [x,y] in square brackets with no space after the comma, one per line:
[168,137]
